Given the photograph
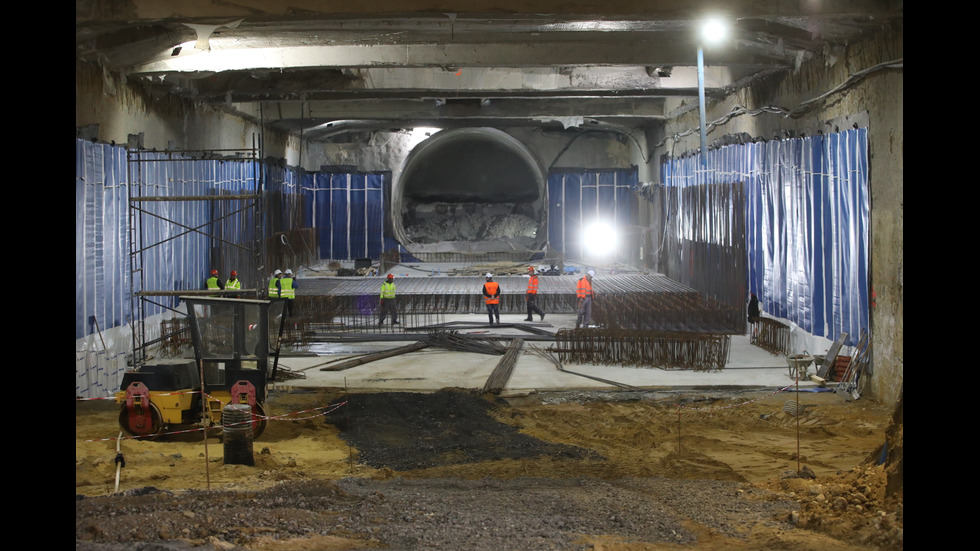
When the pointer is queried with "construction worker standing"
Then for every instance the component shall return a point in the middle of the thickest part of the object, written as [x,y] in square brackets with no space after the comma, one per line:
[491,293]
[213,282]
[274,284]
[532,295]
[585,296]
[388,304]
[234,283]
[287,290]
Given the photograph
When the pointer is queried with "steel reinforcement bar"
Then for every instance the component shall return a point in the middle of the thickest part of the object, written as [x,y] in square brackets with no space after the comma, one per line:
[622,302]
[773,337]
[662,349]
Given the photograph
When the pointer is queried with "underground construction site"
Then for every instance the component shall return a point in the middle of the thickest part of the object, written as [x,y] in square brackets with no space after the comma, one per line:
[484,275]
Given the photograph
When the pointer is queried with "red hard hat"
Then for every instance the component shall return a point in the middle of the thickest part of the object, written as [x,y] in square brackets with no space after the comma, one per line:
[214,272]
[234,273]
[390,276]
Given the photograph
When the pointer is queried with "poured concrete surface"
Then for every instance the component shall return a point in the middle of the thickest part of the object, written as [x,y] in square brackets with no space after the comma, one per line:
[432,369]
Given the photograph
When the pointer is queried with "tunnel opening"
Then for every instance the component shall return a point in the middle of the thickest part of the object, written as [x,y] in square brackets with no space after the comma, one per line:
[470,190]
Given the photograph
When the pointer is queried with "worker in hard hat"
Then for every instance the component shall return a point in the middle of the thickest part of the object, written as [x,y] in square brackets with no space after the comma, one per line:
[754,315]
[387,300]
[491,294]
[287,289]
[585,294]
[274,284]
[532,295]
[234,283]
[213,283]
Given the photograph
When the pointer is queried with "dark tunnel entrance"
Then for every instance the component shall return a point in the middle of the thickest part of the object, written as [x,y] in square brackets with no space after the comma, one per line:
[471,190]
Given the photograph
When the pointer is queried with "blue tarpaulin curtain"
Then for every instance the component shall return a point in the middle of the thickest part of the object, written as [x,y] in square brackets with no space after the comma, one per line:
[348,213]
[172,256]
[807,224]
[101,248]
[579,197]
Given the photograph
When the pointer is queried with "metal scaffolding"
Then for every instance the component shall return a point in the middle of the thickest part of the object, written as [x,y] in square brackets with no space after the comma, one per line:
[184,204]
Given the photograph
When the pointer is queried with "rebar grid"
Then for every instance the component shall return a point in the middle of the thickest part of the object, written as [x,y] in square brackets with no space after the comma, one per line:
[668,350]
[773,337]
[688,311]
[175,337]
[339,313]
[623,301]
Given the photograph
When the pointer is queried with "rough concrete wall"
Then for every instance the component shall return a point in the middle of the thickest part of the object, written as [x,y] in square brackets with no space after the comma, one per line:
[877,99]
[120,109]
[385,150]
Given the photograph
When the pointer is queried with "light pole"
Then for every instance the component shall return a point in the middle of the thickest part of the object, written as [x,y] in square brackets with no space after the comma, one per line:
[712,31]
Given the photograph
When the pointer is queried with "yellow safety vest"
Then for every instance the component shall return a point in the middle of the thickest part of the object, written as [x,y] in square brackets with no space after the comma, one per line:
[388,290]
[286,288]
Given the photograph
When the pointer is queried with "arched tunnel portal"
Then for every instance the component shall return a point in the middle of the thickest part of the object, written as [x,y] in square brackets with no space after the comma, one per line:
[470,190]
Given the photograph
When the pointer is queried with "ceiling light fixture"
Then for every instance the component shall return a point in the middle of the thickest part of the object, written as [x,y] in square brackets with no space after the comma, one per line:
[713,31]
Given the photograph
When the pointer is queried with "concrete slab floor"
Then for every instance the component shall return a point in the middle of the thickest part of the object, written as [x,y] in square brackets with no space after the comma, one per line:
[749,367]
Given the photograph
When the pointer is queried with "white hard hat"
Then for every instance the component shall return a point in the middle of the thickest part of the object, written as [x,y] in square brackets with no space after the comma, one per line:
[591,273]
[289,272]
[489,275]
[278,272]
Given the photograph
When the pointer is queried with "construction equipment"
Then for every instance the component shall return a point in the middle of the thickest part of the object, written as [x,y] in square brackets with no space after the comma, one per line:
[236,354]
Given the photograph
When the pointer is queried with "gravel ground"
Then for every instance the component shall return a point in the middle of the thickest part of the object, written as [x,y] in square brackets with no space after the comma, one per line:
[489,514]
[445,471]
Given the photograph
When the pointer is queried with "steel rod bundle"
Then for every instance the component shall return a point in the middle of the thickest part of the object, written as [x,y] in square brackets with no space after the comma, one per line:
[376,356]
[501,374]
[669,350]
[452,340]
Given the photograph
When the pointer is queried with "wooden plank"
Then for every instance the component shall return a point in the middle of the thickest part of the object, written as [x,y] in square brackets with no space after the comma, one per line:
[831,357]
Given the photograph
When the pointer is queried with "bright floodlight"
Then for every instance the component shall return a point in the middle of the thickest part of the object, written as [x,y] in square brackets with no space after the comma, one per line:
[600,239]
[713,31]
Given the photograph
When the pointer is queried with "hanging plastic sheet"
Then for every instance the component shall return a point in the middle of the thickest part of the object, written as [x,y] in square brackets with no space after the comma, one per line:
[807,224]
[169,255]
[349,214]
[101,246]
[374,210]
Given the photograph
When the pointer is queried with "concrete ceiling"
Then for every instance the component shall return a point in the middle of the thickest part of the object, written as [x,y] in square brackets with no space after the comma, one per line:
[323,67]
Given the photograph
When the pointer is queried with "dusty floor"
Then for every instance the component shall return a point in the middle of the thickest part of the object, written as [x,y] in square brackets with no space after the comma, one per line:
[613,471]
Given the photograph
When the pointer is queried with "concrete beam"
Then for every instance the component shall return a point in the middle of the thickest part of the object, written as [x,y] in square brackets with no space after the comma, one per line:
[228,56]
[503,109]
[471,82]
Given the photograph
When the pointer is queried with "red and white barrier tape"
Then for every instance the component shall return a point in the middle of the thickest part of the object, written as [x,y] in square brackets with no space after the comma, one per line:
[283,417]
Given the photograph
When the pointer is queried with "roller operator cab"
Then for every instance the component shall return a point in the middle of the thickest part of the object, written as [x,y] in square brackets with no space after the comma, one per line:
[236,351]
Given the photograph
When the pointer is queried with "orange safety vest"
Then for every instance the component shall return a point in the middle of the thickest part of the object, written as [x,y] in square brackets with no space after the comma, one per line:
[583,289]
[491,290]
[532,285]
